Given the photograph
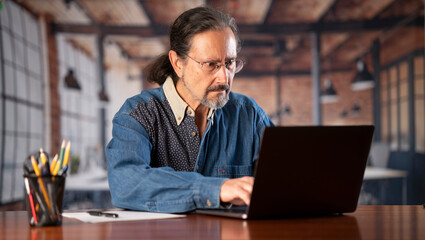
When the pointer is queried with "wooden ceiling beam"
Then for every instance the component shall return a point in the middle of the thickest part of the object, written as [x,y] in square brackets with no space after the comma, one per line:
[327,11]
[86,11]
[269,11]
[103,29]
[364,25]
[74,28]
[157,28]
[132,31]
[347,26]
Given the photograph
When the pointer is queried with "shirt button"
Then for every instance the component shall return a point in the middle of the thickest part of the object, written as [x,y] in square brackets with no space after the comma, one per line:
[189,112]
[179,118]
[193,134]
[209,203]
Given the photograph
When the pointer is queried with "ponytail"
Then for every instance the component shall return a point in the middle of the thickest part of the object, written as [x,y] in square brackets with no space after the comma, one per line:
[159,70]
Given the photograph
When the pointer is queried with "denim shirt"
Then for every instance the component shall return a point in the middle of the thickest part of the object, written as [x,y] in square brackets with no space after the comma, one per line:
[152,167]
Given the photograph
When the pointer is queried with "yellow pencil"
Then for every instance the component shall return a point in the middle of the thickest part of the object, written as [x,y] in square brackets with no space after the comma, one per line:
[52,166]
[57,167]
[40,181]
[67,151]
[43,157]
[34,165]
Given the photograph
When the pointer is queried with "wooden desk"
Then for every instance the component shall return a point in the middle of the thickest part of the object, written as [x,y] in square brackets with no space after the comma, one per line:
[368,222]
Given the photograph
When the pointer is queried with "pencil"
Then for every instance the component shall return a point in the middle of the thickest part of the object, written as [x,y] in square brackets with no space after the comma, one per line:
[45,164]
[67,151]
[43,157]
[61,155]
[59,162]
[41,183]
[34,166]
[54,161]
[27,187]
[57,167]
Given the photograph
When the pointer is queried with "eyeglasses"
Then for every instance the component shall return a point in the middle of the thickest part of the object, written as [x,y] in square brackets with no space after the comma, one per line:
[233,65]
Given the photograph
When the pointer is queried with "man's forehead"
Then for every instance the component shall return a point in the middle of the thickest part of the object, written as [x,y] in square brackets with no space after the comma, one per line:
[214,40]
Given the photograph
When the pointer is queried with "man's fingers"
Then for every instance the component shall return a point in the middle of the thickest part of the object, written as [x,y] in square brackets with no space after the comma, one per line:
[246,196]
[247,179]
[237,191]
[249,184]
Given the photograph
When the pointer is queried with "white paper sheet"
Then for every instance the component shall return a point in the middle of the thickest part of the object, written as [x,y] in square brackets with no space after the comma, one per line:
[122,216]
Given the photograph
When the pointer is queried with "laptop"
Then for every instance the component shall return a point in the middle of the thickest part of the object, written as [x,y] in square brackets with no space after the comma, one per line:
[306,171]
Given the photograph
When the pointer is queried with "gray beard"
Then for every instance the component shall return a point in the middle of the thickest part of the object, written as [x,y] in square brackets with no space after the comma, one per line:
[213,104]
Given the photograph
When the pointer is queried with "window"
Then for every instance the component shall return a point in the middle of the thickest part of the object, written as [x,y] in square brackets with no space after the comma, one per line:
[385,117]
[393,107]
[395,102]
[22,103]
[80,109]
[419,104]
[404,106]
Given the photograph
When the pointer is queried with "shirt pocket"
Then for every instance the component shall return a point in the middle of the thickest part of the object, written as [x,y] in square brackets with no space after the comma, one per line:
[234,171]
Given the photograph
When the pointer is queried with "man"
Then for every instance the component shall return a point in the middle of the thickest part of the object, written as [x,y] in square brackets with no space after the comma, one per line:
[190,143]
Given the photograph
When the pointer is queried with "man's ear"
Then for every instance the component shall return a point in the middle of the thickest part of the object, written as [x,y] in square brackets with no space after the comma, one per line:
[176,62]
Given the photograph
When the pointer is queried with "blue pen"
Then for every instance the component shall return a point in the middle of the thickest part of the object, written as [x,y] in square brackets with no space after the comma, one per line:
[63,171]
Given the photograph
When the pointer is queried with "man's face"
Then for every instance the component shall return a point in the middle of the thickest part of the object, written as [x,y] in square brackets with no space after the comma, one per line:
[200,85]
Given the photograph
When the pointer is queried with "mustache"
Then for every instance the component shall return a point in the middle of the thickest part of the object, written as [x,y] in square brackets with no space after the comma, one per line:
[225,87]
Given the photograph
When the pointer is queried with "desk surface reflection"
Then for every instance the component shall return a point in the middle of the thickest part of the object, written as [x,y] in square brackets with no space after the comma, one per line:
[368,222]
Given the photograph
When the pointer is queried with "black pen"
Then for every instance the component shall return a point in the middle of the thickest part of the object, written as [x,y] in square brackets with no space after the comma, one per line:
[102,214]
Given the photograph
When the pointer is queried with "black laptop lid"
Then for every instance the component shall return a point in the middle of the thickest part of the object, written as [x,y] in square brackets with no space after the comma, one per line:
[309,170]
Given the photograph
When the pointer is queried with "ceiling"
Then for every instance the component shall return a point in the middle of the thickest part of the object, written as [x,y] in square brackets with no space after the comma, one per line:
[276,34]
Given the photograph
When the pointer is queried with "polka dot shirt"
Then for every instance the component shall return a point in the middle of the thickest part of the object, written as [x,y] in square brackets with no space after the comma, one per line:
[173,145]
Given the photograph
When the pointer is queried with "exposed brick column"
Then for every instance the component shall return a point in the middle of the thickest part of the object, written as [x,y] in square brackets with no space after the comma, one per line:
[55,110]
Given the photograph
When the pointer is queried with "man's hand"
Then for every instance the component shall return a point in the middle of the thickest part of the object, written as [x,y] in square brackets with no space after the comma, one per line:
[237,191]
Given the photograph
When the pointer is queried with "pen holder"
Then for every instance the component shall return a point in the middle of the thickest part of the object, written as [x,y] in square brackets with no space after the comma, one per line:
[44,199]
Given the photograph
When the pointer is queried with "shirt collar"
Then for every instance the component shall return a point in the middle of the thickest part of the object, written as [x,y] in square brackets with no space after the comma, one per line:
[177,104]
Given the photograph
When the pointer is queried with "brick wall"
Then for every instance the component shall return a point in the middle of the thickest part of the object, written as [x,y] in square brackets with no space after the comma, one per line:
[347,98]
[400,42]
[263,90]
[296,93]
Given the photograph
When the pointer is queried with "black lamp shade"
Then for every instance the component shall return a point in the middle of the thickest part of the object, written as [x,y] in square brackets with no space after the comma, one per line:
[328,95]
[363,79]
[71,81]
[103,96]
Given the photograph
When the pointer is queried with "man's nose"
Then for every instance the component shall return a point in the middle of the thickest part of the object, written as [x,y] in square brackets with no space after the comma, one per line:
[221,75]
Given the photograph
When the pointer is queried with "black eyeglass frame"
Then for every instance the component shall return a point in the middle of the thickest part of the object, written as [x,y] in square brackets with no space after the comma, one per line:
[215,66]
